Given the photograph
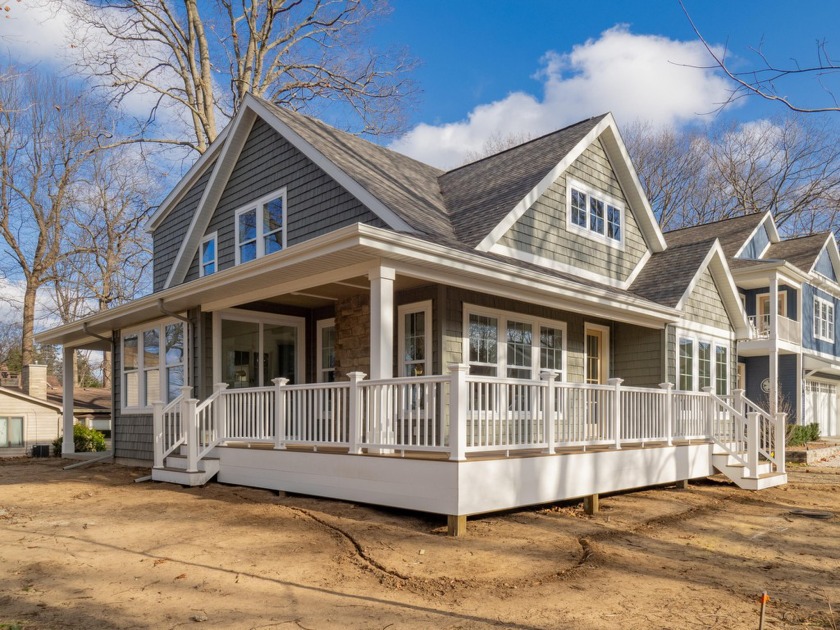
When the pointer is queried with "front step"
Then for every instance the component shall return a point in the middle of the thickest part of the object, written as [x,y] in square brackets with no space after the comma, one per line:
[727,465]
[175,471]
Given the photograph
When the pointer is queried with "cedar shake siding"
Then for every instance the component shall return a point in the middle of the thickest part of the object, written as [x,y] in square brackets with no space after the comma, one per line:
[169,235]
[317,204]
[638,355]
[542,232]
[704,305]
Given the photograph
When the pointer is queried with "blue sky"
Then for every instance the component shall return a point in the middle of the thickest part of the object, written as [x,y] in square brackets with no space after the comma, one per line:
[473,54]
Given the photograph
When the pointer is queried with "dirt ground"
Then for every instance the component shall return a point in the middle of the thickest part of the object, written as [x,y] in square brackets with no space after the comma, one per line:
[90,548]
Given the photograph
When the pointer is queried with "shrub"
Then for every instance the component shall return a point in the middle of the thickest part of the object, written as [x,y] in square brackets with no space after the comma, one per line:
[798,434]
[85,440]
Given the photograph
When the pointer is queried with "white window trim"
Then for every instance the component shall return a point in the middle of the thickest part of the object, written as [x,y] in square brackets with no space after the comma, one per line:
[407,309]
[259,207]
[817,327]
[24,422]
[501,343]
[608,200]
[209,237]
[319,346]
[160,325]
[258,317]
[714,342]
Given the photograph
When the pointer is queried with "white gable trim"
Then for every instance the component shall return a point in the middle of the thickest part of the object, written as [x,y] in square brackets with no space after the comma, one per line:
[236,136]
[830,245]
[240,129]
[555,265]
[772,233]
[617,154]
[391,219]
[715,261]
[187,182]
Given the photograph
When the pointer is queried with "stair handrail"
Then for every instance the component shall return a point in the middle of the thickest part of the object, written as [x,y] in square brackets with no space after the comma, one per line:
[768,446]
[735,436]
[206,425]
[161,447]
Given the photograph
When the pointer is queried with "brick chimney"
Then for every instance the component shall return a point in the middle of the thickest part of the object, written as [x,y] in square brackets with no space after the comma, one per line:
[33,381]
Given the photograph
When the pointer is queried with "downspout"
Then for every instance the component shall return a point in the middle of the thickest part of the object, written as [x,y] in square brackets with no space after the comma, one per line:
[110,342]
[187,340]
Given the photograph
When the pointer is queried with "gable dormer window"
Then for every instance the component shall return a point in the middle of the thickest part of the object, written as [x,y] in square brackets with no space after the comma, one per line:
[594,214]
[261,227]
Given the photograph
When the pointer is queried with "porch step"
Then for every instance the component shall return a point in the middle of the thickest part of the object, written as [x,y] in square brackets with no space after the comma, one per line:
[735,471]
[175,471]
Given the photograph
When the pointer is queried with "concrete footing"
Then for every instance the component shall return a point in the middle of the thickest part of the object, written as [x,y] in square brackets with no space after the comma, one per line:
[456,525]
[592,504]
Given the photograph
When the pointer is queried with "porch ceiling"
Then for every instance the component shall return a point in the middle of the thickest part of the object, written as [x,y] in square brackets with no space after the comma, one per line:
[331,292]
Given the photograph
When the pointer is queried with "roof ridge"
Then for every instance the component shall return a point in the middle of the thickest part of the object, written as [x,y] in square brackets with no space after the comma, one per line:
[517,146]
[823,234]
[691,227]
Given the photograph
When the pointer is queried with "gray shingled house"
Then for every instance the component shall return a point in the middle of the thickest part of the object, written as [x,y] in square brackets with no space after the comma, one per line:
[333,318]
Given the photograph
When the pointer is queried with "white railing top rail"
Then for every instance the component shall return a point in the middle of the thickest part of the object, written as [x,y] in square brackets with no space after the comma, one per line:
[405,380]
[246,390]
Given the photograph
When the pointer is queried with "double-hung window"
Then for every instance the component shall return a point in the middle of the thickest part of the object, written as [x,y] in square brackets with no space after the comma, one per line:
[326,351]
[823,319]
[595,214]
[261,227]
[11,432]
[152,365]
[512,345]
[209,259]
[702,363]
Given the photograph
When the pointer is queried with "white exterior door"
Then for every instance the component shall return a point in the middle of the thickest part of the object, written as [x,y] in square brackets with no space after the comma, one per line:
[821,407]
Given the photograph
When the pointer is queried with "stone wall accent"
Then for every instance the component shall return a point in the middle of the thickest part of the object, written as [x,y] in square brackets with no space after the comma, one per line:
[352,331]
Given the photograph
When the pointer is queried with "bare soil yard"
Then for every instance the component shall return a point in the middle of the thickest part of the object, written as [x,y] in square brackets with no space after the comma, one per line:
[89,548]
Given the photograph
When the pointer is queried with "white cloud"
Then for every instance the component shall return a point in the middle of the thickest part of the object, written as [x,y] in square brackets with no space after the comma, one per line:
[633,76]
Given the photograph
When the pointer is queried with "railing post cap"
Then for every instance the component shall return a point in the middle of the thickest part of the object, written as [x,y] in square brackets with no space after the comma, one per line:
[280,381]
[549,375]
[738,392]
[220,386]
[158,403]
[186,390]
[708,389]
[458,367]
[356,376]
[615,381]
[668,386]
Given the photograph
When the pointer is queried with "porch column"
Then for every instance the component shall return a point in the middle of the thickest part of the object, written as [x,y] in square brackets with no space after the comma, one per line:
[774,344]
[381,322]
[68,446]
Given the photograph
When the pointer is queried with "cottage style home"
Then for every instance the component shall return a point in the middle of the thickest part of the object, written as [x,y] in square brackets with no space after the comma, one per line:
[333,318]
[791,361]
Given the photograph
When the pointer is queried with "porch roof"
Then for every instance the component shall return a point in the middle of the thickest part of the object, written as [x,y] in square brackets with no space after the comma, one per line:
[354,251]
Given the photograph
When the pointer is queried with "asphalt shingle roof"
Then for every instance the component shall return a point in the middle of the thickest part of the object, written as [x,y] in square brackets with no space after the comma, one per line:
[801,252]
[732,233]
[666,276]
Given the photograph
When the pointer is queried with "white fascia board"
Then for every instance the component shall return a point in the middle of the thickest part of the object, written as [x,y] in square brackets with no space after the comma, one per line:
[240,129]
[187,182]
[361,193]
[715,261]
[772,233]
[623,168]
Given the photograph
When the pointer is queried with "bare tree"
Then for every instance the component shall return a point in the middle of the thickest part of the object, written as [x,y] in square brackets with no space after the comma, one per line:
[496,143]
[47,133]
[197,61]
[771,81]
[790,167]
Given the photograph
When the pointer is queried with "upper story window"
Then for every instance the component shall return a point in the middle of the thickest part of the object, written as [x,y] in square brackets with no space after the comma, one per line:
[823,319]
[594,214]
[261,227]
[152,365]
[209,257]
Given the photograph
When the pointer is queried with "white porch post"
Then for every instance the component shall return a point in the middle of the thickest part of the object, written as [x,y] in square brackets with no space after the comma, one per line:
[280,412]
[68,446]
[669,411]
[356,417]
[382,345]
[549,432]
[157,429]
[381,322]
[616,383]
[189,427]
[458,394]
[774,344]
[779,442]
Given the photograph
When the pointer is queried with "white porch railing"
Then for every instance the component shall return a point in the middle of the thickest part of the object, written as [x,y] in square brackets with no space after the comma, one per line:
[788,329]
[459,414]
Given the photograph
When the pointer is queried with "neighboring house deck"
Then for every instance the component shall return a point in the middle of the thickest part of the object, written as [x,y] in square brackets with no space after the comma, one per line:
[379,330]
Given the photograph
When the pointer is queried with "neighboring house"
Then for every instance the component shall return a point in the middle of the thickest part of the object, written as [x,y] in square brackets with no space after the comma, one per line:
[339,303]
[795,345]
[31,411]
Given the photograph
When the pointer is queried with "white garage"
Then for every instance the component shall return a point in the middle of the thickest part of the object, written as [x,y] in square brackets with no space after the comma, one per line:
[821,406]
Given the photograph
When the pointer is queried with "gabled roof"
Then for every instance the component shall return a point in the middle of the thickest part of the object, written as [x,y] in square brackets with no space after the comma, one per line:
[88,400]
[801,252]
[482,193]
[732,233]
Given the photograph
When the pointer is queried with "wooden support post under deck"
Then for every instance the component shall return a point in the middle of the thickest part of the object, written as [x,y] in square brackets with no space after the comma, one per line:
[592,504]
[683,485]
[456,525]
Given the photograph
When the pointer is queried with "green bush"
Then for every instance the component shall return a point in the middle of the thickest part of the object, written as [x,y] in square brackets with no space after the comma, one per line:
[85,440]
[798,434]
